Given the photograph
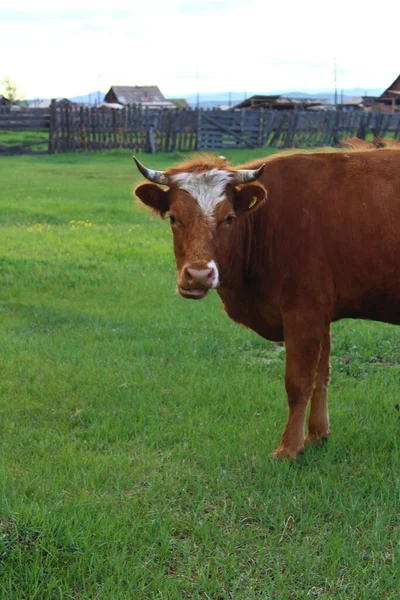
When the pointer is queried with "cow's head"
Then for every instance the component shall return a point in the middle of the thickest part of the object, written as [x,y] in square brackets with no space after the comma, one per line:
[205,202]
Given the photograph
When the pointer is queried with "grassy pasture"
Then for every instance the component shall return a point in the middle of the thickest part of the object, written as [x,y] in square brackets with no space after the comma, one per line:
[136,426]
[15,137]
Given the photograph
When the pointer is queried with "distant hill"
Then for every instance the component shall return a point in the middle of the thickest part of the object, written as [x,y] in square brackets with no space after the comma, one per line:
[92,98]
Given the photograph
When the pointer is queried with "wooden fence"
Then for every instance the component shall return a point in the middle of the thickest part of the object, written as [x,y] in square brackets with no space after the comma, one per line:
[24,119]
[83,129]
[328,128]
[166,130]
[142,130]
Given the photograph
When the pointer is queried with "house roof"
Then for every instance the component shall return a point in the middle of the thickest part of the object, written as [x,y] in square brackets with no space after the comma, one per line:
[279,102]
[259,101]
[353,101]
[392,89]
[46,102]
[134,94]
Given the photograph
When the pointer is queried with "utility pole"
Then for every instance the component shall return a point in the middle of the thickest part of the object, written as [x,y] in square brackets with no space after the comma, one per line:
[341,85]
[336,94]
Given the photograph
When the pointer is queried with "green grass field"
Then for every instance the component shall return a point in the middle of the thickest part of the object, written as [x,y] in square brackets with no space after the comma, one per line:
[16,137]
[136,427]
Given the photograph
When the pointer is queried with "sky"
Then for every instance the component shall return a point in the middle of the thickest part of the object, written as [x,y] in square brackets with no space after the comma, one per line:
[63,49]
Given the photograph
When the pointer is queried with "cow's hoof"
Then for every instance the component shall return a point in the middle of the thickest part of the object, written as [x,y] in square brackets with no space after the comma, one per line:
[316,438]
[288,453]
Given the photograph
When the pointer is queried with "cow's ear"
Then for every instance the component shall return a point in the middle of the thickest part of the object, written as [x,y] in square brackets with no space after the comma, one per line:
[153,196]
[248,198]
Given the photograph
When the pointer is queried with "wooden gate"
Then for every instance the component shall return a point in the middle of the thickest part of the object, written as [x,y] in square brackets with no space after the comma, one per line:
[233,129]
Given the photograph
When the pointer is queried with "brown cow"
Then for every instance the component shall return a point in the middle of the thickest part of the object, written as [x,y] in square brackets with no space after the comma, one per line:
[290,243]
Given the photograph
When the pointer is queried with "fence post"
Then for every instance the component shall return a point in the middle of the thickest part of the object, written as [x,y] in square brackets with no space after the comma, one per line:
[260,127]
[329,128]
[292,128]
[362,126]
[52,127]
[198,129]
[335,133]
[83,145]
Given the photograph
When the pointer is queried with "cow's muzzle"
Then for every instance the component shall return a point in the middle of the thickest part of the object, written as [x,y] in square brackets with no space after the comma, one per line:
[192,294]
[195,282]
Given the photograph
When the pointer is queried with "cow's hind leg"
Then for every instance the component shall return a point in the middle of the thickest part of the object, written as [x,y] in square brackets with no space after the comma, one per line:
[304,335]
[318,422]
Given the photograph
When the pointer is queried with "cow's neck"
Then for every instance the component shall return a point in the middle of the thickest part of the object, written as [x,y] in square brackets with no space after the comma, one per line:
[248,259]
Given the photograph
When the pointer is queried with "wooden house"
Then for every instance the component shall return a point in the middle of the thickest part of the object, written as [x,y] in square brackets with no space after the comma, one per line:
[4,101]
[388,101]
[391,96]
[145,95]
[46,102]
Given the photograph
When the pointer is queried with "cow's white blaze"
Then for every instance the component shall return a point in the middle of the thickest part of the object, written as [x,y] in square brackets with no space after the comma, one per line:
[208,187]
[213,265]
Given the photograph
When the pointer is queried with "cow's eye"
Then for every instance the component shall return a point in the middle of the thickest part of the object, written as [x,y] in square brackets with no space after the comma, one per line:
[172,219]
[229,219]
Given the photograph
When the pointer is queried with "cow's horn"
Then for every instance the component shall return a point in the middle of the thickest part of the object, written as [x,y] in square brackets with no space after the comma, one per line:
[247,175]
[156,176]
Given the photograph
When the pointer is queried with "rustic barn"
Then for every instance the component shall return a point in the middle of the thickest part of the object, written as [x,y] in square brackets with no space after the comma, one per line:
[354,104]
[391,96]
[46,102]
[388,101]
[144,95]
[277,102]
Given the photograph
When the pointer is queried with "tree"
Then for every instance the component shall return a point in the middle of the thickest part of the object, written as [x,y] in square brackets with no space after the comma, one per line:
[11,92]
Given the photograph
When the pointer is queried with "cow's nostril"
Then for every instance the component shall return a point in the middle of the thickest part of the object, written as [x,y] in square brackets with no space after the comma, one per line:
[200,277]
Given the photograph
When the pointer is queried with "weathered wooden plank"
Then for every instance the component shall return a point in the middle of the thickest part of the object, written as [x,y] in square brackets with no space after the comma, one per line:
[24,124]
[23,117]
[227,130]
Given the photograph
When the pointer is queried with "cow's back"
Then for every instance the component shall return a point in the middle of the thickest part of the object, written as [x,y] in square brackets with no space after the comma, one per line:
[333,220]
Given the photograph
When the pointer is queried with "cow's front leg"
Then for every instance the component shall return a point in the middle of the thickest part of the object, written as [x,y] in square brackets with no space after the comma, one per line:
[303,339]
[318,422]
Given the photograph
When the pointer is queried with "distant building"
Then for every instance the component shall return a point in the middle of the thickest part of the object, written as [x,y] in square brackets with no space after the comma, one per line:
[351,105]
[149,96]
[277,102]
[4,101]
[391,96]
[45,102]
[388,101]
